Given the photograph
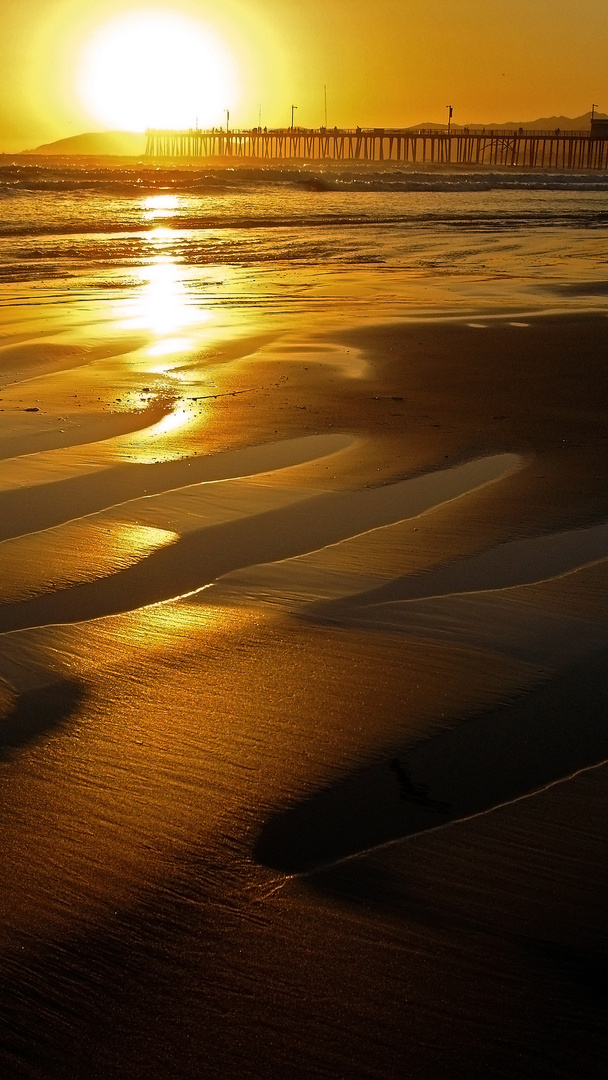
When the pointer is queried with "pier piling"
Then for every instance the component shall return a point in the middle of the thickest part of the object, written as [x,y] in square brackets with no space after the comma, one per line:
[523,149]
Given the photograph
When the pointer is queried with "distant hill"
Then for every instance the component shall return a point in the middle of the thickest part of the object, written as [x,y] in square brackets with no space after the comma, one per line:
[549,123]
[96,144]
[544,123]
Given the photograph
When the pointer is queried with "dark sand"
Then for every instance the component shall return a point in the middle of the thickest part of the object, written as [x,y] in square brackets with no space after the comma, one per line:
[167,769]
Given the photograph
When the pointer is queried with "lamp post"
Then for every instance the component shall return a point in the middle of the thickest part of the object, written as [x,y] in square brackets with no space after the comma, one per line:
[227,111]
[593,108]
[450,111]
[293,109]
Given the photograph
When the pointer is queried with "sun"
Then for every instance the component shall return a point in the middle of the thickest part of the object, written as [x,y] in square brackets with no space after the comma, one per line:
[155,68]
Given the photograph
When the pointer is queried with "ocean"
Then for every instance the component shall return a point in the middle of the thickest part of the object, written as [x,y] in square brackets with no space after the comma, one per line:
[64,221]
[301,475]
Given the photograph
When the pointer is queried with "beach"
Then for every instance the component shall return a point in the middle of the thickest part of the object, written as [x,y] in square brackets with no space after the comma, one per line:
[304,543]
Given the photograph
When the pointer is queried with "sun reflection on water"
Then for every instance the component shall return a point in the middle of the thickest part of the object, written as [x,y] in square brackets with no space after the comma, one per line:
[160,206]
[161,237]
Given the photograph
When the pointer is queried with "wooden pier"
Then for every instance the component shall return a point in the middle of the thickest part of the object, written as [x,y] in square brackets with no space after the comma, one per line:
[523,149]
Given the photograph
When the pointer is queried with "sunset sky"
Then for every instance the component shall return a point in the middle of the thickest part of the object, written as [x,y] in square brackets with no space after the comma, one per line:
[69,67]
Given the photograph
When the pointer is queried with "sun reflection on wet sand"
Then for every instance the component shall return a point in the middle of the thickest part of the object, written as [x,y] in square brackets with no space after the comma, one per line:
[162,305]
[153,446]
[73,553]
[169,346]
[178,419]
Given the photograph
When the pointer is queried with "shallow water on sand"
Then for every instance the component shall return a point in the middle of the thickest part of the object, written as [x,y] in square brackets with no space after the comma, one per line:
[329,502]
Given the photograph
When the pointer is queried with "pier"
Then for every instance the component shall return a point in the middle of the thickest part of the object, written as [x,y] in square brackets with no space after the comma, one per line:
[523,149]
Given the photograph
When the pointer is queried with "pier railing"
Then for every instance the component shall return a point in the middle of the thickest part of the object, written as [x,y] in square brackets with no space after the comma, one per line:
[465,146]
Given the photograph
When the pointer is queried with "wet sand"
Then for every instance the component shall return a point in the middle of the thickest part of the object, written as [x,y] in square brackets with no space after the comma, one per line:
[335,587]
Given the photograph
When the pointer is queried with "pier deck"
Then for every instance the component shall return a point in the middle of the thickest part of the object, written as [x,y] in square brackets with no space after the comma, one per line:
[531,149]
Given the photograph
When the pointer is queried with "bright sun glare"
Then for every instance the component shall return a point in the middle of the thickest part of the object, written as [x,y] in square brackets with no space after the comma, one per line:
[156,69]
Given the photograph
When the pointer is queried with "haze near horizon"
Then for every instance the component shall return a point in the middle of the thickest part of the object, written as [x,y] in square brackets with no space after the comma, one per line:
[69,69]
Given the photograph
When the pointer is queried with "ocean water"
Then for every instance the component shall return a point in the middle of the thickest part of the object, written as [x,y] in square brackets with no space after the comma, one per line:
[63,221]
[206,618]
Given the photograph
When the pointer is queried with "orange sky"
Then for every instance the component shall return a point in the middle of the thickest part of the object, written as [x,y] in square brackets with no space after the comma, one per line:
[390,62]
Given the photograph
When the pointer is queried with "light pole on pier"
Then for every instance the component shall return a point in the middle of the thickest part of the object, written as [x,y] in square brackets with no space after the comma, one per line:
[227,111]
[450,111]
[593,108]
[293,109]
